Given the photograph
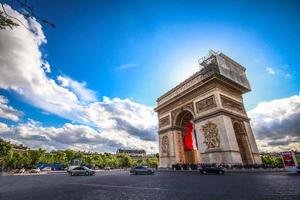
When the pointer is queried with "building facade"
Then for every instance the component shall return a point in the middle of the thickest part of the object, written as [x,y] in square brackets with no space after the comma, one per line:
[132,152]
[212,100]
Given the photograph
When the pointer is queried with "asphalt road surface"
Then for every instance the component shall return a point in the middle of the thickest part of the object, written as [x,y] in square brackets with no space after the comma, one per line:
[162,185]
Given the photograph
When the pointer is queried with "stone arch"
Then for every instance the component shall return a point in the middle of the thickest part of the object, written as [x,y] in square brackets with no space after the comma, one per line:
[183,117]
[181,121]
[184,109]
[242,141]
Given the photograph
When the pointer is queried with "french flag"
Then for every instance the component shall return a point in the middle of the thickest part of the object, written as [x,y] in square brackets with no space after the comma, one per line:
[190,142]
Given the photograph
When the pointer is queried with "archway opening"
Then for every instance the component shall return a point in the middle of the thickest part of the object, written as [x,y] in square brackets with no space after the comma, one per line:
[185,122]
[242,140]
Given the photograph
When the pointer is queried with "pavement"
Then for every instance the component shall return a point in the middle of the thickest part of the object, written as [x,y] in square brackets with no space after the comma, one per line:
[163,185]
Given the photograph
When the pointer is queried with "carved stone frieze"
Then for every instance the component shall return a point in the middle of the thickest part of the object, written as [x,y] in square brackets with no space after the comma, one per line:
[165,145]
[211,135]
[187,84]
[206,104]
[232,104]
[165,121]
[187,98]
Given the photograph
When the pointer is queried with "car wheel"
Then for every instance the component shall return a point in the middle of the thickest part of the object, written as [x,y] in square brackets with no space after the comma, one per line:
[87,173]
[220,172]
[135,173]
[149,172]
[204,172]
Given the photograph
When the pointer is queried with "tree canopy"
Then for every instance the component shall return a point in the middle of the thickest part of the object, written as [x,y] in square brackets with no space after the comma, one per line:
[11,158]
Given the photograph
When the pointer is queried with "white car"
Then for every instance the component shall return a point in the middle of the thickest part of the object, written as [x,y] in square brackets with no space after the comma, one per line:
[47,169]
[35,170]
[72,167]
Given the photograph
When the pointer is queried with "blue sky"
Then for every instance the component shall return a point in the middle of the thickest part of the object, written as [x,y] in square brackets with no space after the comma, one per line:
[164,39]
[141,49]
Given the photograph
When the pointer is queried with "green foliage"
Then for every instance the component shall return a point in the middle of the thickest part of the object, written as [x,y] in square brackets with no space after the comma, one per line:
[124,160]
[6,21]
[36,156]
[274,161]
[298,158]
[6,152]
[15,159]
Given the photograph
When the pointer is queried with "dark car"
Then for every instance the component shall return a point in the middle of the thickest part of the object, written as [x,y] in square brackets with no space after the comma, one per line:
[141,170]
[81,171]
[210,168]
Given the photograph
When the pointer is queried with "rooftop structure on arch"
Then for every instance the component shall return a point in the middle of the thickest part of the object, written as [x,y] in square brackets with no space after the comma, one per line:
[203,119]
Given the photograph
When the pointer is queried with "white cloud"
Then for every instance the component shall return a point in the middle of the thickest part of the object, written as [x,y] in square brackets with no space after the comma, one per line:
[8,112]
[70,136]
[123,114]
[270,70]
[23,70]
[128,65]
[84,94]
[276,124]
[46,67]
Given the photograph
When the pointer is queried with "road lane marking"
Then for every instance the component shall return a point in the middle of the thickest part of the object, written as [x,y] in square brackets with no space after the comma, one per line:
[117,186]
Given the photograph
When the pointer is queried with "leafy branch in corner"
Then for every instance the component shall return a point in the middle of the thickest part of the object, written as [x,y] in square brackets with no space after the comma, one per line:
[8,21]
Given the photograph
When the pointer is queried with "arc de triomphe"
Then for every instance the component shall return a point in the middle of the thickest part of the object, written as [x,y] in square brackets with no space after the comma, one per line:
[212,100]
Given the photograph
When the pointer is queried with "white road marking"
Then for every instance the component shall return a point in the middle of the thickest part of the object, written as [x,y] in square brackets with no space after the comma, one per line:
[116,186]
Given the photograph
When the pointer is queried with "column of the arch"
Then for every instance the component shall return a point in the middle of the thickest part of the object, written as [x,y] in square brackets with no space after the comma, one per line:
[167,152]
[252,143]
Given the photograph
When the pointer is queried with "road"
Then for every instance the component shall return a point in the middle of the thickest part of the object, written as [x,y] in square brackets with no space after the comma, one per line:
[162,185]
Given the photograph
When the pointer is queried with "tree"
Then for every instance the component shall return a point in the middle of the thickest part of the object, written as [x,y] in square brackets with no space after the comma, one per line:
[98,160]
[26,159]
[36,156]
[48,158]
[8,21]
[6,152]
[60,157]
[70,154]
[124,160]
[16,161]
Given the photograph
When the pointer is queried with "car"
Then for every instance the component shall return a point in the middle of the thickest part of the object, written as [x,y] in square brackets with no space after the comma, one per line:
[46,169]
[72,167]
[35,170]
[20,171]
[107,168]
[81,171]
[210,168]
[141,170]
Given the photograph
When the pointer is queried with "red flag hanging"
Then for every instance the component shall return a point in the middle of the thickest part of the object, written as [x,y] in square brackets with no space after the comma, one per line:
[188,138]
